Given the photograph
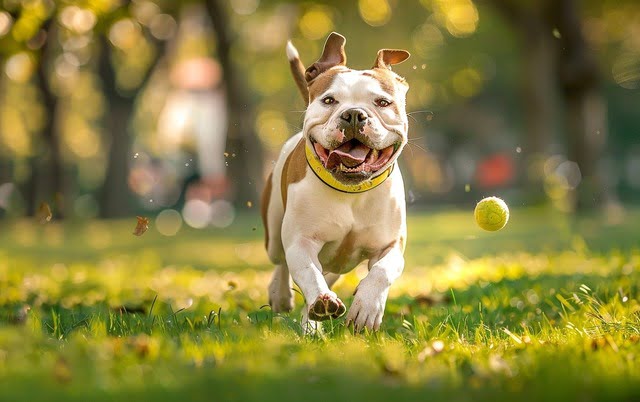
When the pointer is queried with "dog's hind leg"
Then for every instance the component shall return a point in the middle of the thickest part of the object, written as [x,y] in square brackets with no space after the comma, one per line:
[280,292]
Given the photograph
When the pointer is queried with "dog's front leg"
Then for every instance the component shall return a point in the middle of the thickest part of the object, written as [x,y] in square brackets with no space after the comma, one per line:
[371,295]
[302,259]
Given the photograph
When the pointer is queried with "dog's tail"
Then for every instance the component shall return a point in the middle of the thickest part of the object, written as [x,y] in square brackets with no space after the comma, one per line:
[297,69]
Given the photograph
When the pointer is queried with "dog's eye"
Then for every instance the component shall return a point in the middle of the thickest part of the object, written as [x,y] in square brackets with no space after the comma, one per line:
[328,100]
[382,102]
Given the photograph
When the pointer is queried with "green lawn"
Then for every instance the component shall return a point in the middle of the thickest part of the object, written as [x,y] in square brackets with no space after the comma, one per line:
[546,309]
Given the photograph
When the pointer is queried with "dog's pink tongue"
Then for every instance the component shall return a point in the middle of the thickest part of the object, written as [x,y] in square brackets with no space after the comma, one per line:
[349,154]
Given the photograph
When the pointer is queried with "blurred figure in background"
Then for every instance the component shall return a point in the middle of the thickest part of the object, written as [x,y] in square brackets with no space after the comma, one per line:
[194,117]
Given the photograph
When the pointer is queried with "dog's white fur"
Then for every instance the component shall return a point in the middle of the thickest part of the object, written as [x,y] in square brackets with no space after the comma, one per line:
[322,233]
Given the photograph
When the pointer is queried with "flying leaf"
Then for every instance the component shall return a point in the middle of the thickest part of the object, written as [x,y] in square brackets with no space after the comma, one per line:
[141,226]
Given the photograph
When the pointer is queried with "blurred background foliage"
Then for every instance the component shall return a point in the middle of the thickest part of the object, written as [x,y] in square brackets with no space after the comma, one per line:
[102,101]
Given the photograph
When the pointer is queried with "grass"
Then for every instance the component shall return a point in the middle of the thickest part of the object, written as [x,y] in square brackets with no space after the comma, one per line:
[546,309]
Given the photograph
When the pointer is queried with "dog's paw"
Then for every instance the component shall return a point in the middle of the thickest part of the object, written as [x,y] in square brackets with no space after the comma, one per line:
[326,307]
[366,312]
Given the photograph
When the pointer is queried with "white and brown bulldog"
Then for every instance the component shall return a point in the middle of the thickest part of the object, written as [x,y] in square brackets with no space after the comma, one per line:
[336,197]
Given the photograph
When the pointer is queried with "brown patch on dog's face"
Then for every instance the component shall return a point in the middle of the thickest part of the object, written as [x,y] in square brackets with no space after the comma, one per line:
[323,82]
[389,82]
[264,208]
[294,170]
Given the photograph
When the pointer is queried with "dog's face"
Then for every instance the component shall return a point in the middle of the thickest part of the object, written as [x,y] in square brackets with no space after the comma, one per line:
[356,121]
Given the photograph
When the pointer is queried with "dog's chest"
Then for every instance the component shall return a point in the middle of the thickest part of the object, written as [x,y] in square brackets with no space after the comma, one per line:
[344,255]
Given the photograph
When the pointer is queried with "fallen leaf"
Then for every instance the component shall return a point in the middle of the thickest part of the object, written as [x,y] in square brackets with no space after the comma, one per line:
[432,299]
[141,226]
[44,213]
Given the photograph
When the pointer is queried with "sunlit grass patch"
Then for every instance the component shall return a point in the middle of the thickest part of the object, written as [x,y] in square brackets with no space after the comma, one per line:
[527,313]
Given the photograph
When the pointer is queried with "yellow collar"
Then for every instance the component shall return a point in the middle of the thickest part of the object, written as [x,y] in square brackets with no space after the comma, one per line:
[328,179]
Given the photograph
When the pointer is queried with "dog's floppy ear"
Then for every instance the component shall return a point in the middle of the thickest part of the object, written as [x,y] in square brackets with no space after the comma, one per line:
[388,57]
[332,55]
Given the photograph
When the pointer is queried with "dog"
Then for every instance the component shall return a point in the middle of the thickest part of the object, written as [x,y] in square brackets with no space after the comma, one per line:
[336,197]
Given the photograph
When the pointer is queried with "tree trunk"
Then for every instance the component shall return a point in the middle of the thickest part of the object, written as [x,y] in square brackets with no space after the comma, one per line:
[586,110]
[115,196]
[245,170]
[539,101]
[537,86]
[47,182]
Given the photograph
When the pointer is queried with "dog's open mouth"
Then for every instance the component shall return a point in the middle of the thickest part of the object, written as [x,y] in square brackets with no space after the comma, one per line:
[354,157]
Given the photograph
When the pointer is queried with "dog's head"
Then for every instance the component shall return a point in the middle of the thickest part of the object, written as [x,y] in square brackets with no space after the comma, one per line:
[356,120]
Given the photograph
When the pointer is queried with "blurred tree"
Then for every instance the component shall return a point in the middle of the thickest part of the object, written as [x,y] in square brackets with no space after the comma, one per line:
[121,88]
[557,59]
[36,33]
[115,196]
[461,70]
[537,86]
[246,168]
[585,106]
[47,177]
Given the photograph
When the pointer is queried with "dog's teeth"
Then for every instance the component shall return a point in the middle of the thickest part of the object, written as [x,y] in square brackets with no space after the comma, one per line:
[374,154]
[345,169]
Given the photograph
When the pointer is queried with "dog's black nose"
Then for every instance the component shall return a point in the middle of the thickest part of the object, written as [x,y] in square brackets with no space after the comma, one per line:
[354,116]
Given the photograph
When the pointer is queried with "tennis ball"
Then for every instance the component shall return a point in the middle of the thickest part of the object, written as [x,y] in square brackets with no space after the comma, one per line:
[491,214]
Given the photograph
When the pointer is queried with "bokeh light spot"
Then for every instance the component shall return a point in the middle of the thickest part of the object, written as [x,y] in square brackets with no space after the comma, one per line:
[19,67]
[144,11]
[375,12]
[467,82]
[316,22]
[77,19]
[14,133]
[626,70]
[427,39]
[222,213]
[272,129]
[462,19]
[124,33]
[163,26]
[5,23]
[245,7]
[83,141]
[570,171]
[169,222]
[196,213]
